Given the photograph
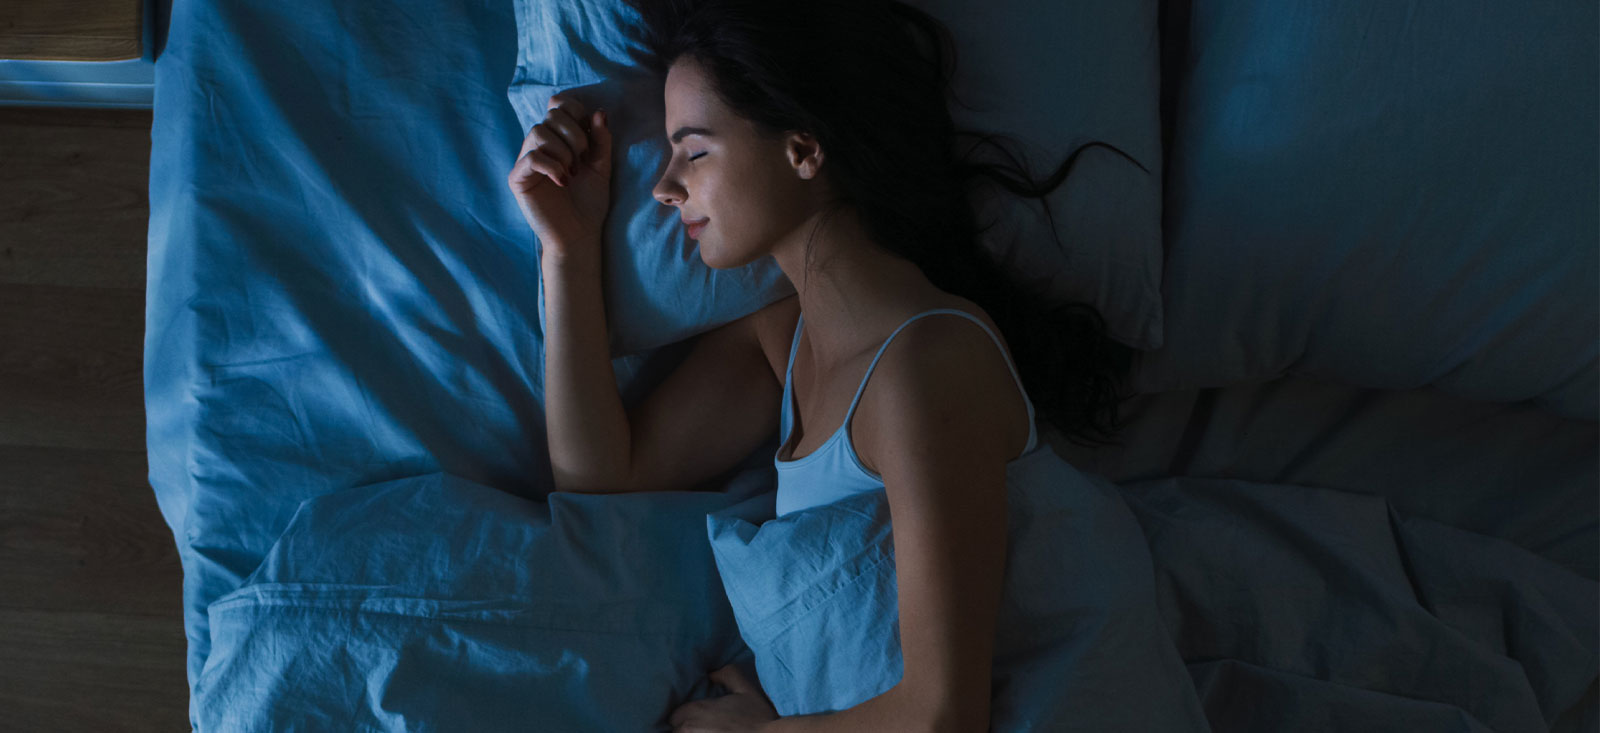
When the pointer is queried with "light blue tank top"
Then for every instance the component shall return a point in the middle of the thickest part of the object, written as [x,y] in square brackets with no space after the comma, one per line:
[833,471]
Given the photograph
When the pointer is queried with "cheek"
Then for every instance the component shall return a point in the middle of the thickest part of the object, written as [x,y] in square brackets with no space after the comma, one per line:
[746,206]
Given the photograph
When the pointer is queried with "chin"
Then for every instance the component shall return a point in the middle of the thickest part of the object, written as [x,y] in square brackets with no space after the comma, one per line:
[707,260]
[714,261]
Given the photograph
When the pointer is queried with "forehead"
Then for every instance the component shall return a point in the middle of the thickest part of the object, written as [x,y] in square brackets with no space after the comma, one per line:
[689,99]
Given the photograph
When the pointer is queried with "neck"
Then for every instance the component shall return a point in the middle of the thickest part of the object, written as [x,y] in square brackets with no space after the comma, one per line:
[853,284]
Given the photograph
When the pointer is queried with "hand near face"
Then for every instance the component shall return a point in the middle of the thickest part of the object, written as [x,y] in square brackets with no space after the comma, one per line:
[562,179]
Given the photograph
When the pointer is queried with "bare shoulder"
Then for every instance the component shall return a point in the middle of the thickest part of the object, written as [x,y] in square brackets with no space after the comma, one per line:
[945,364]
[949,356]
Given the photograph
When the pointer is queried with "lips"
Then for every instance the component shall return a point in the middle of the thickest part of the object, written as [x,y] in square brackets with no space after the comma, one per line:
[694,228]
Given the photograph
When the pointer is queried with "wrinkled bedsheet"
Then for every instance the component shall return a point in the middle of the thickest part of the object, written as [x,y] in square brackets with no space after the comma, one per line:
[437,601]
[344,404]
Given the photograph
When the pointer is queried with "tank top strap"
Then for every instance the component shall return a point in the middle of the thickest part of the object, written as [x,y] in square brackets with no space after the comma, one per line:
[794,347]
[863,385]
[785,414]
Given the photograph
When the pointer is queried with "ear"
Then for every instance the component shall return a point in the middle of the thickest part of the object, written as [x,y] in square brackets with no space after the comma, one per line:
[804,154]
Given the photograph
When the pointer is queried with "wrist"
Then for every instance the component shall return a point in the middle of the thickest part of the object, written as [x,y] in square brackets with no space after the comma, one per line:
[580,257]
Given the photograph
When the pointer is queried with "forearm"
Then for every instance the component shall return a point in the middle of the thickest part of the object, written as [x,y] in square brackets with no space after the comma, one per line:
[586,425]
[886,712]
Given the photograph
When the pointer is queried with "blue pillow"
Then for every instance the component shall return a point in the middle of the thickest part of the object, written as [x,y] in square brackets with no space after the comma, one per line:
[433,600]
[1390,195]
[1080,642]
[1051,75]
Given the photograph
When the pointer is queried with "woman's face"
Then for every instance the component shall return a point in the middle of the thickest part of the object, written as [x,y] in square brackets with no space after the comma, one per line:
[751,191]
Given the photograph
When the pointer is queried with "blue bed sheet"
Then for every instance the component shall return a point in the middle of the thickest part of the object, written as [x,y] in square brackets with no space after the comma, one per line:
[435,603]
[341,290]
[345,434]
[1292,608]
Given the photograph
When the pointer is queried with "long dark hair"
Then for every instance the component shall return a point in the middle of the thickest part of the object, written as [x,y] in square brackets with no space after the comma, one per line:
[854,75]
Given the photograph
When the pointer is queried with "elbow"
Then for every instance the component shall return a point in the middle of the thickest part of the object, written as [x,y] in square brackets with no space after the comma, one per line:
[574,484]
[572,487]
[563,479]
[586,489]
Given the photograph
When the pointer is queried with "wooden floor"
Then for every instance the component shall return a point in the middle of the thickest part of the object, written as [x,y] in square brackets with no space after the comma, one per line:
[91,621]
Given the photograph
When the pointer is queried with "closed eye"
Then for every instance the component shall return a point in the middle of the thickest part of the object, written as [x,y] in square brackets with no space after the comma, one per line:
[697,155]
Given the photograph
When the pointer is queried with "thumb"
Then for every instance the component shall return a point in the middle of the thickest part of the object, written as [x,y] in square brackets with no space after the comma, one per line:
[600,137]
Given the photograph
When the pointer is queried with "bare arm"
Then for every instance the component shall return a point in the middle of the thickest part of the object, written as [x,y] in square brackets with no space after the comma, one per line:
[561,181]
[719,404]
[586,424]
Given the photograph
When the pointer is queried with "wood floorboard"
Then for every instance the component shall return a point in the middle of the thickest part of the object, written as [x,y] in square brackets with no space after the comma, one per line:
[83,533]
[72,367]
[74,203]
[91,619]
[84,671]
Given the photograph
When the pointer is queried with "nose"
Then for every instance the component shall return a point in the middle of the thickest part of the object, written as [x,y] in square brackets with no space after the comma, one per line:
[668,193]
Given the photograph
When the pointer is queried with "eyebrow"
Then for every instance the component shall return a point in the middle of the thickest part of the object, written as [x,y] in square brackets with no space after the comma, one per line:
[678,136]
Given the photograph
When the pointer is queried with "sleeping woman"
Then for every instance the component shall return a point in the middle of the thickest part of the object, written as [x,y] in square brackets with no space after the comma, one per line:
[817,133]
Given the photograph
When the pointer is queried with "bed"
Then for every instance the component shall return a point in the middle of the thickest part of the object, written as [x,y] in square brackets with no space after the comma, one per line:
[1357,490]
